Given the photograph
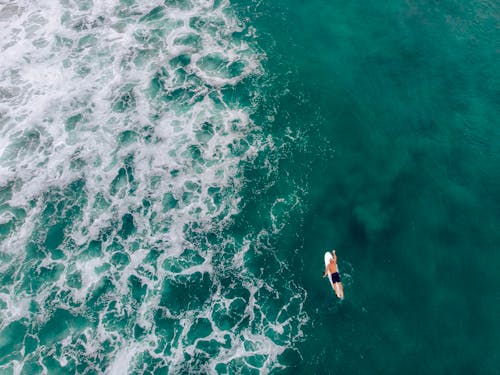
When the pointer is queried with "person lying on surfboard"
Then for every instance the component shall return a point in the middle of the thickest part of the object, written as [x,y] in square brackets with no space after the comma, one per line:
[332,270]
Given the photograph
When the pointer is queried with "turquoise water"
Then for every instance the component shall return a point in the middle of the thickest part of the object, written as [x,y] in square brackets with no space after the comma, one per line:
[171,173]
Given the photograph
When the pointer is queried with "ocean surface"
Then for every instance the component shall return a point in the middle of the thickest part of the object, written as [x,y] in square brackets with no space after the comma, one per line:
[172,172]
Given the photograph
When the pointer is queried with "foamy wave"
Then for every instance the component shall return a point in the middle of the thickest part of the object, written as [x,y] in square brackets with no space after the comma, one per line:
[120,172]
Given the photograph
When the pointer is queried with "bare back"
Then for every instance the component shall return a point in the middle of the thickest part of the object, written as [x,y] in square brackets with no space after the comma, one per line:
[332,266]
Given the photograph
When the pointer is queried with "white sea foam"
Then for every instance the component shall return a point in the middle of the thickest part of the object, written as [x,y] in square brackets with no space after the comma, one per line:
[121,157]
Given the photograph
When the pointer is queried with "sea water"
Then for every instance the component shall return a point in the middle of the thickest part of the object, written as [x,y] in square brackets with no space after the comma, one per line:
[172,172]
[398,107]
[126,128]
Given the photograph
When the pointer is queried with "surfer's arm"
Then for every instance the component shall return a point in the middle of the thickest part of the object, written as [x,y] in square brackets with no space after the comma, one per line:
[326,272]
[334,256]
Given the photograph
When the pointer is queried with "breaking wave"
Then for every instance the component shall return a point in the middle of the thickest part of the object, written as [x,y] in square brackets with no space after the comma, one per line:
[124,131]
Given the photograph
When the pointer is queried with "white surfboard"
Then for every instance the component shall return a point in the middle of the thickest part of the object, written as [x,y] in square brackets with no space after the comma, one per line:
[336,288]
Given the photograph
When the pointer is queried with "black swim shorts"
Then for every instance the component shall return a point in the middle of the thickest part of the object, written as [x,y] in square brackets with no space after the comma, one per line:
[335,277]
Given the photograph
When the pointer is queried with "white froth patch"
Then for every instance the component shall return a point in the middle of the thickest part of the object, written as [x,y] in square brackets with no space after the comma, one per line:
[123,359]
[89,277]
[17,308]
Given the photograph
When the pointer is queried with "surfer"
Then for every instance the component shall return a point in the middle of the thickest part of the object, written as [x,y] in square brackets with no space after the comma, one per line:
[333,270]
